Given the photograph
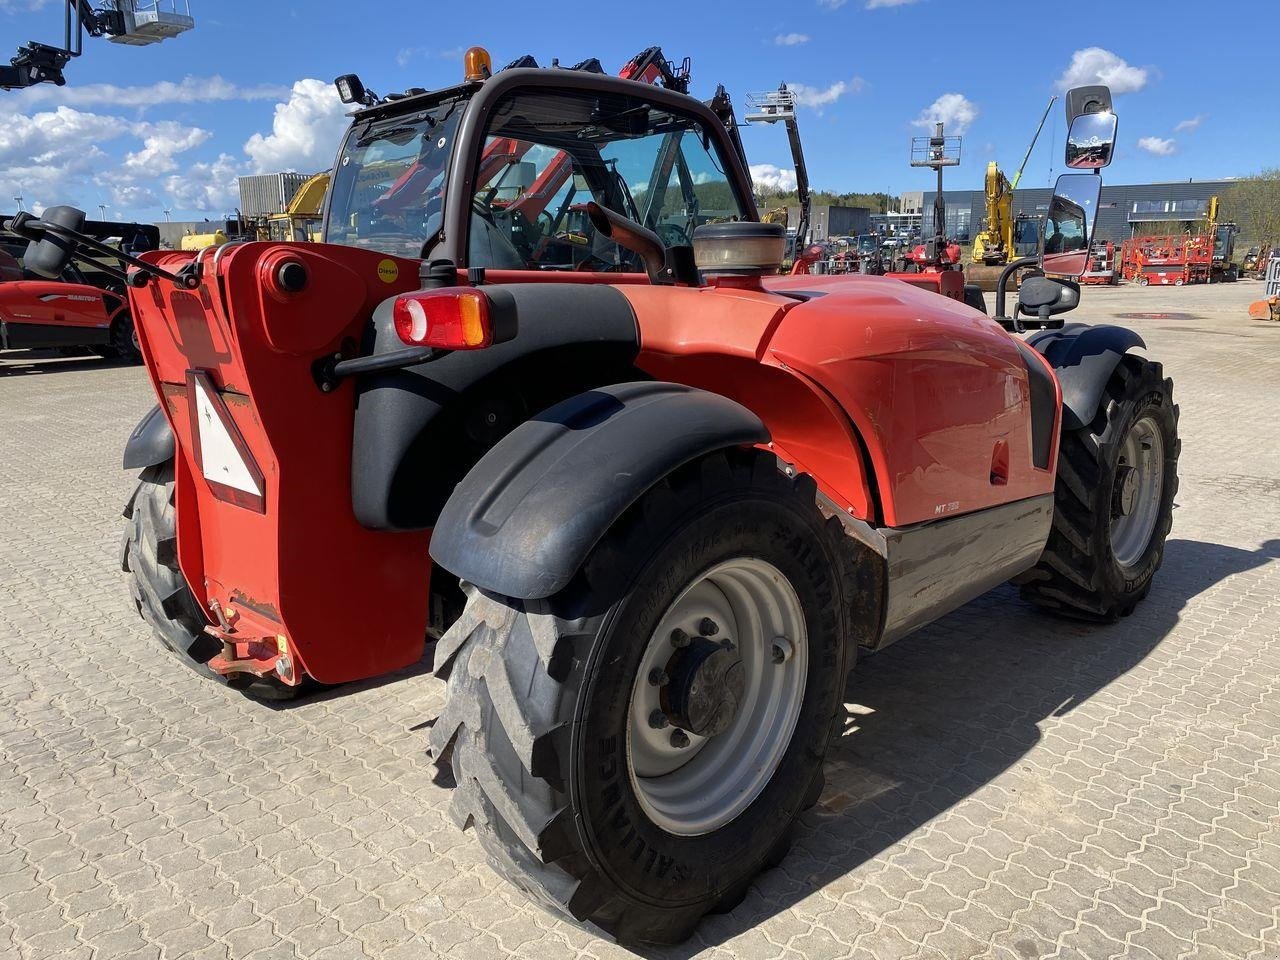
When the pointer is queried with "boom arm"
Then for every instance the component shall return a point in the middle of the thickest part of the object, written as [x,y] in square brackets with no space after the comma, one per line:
[42,63]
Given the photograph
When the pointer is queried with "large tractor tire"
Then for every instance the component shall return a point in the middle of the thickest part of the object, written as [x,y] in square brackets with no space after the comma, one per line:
[1113,505]
[149,555]
[634,750]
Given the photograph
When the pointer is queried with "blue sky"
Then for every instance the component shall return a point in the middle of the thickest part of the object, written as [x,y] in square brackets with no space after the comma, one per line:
[171,126]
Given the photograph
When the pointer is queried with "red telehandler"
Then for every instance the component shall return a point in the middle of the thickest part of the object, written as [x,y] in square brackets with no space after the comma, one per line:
[647,498]
[82,306]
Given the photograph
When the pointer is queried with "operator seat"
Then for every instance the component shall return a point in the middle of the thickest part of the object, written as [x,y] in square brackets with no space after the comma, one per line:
[490,247]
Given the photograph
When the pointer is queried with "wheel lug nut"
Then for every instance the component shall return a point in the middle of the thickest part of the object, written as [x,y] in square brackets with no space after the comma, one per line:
[657,719]
[679,738]
[679,638]
[708,627]
[658,677]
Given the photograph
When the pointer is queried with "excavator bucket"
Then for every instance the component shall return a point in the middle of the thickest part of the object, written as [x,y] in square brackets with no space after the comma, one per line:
[986,277]
[1268,309]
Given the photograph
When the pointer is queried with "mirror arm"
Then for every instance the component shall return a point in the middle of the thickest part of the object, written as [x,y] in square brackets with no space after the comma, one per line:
[1001,286]
[33,228]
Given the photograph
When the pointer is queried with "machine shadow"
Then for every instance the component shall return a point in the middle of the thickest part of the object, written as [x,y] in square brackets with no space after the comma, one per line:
[939,715]
[28,363]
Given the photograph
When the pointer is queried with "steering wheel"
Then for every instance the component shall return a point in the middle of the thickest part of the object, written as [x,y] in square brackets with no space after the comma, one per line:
[673,235]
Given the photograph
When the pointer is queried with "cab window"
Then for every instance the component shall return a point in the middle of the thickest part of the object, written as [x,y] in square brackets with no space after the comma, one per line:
[547,155]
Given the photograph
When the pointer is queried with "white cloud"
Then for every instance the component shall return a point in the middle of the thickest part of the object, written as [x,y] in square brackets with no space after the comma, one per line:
[791,39]
[1160,146]
[832,4]
[955,111]
[1096,65]
[207,187]
[188,90]
[161,142]
[1190,126]
[766,176]
[873,4]
[304,133]
[819,97]
[64,154]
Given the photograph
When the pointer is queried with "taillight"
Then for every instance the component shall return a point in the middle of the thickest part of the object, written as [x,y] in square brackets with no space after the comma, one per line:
[449,319]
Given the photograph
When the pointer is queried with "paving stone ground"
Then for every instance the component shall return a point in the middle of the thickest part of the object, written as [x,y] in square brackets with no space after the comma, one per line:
[1007,785]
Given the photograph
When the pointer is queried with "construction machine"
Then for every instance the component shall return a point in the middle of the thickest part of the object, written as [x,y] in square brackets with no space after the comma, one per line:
[997,242]
[1254,263]
[1223,236]
[645,498]
[301,220]
[132,22]
[82,306]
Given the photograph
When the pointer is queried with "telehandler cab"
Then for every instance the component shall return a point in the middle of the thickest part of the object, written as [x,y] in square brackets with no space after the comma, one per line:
[541,396]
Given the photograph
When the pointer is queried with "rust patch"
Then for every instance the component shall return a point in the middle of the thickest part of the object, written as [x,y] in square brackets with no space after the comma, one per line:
[260,607]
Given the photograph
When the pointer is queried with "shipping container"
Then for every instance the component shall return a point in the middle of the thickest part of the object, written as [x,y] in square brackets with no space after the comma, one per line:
[268,193]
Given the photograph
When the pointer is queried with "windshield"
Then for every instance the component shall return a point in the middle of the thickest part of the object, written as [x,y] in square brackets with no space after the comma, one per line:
[388,188]
[548,153]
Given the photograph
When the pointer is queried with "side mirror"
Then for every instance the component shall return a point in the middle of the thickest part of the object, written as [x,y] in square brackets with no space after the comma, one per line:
[48,255]
[1043,297]
[1068,226]
[1091,141]
[1095,98]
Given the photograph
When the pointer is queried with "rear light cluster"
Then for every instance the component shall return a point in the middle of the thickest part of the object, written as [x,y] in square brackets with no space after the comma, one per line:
[449,319]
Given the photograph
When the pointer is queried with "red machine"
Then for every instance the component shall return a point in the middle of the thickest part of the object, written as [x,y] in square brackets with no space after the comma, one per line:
[648,506]
[1167,261]
[1102,269]
[83,306]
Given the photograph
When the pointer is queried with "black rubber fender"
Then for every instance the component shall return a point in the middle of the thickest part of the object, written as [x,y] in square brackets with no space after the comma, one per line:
[523,521]
[1083,357]
[151,442]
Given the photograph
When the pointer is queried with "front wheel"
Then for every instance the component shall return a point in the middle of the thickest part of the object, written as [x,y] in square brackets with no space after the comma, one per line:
[1113,502]
[634,750]
[123,343]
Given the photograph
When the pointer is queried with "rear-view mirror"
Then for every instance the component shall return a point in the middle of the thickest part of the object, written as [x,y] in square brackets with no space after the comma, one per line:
[1091,141]
[1068,226]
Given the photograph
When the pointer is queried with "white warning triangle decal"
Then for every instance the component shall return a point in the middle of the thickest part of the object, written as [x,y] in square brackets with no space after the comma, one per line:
[220,460]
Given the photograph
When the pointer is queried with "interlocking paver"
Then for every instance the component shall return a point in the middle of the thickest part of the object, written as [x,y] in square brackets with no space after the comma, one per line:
[1007,785]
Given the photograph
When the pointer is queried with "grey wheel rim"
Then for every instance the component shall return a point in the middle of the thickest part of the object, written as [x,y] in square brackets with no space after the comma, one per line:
[689,784]
[1137,491]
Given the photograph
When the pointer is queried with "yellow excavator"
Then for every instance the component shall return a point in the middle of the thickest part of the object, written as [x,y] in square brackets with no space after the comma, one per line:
[998,241]
[300,222]
[301,219]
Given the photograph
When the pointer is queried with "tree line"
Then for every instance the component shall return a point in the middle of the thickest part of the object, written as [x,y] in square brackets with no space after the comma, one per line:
[875,202]
[1253,202]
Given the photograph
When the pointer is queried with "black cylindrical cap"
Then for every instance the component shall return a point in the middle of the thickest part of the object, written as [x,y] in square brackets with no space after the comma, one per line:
[292,276]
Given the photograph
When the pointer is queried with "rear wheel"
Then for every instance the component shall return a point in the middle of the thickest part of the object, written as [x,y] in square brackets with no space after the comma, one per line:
[149,555]
[1113,504]
[634,750]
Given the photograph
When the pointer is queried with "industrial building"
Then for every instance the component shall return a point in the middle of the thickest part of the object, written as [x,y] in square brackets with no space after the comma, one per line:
[1124,210]
[828,220]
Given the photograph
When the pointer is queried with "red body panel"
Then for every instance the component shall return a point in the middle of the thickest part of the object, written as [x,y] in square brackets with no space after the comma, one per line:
[55,303]
[933,387]
[349,602]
